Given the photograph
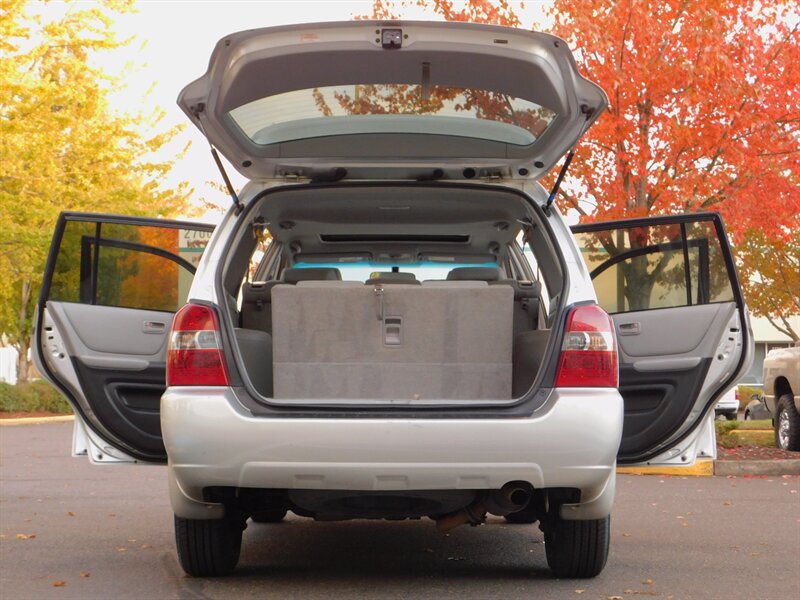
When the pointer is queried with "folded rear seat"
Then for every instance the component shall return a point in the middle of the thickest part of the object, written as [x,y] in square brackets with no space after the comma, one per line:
[527,294]
[257,295]
[398,342]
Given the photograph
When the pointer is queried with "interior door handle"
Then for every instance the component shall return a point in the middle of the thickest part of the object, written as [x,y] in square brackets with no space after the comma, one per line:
[634,328]
[154,327]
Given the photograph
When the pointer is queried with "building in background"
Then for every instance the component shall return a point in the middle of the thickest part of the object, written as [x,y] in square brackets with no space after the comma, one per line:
[8,365]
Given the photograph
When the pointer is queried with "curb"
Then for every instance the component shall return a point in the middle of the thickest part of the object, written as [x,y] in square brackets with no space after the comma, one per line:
[36,420]
[722,468]
[789,466]
[701,468]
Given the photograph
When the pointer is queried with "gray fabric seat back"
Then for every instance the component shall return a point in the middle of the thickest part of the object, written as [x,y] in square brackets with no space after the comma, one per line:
[404,342]
[488,274]
[257,295]
[527,295]
[257,305]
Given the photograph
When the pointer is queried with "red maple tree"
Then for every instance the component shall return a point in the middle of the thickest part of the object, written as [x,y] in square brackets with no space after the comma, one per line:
[704,115]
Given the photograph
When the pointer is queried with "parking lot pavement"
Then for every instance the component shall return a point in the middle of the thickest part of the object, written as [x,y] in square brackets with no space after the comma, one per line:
[70,530]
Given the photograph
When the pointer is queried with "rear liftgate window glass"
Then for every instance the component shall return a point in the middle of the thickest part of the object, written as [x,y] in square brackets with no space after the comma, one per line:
[365,270]
[128,266]
[392,108]
[659,266]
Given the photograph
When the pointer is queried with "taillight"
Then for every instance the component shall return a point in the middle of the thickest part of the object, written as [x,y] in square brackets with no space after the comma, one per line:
[194,356]
[589,353]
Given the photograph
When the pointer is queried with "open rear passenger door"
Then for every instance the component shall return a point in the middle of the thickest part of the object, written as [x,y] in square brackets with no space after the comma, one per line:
[109,292]
[670,285]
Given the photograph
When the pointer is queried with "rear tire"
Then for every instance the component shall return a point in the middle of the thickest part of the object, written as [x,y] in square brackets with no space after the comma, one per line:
[787,424]
[577,548]
[208,548]
[275,515]
[731,416]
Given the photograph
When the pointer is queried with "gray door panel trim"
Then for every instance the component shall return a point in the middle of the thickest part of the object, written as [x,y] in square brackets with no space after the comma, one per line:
[113,362]
[110,331]
[673,332]
[666,364]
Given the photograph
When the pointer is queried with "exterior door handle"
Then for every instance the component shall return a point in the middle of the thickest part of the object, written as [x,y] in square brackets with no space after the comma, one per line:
[154,327]
[634,328]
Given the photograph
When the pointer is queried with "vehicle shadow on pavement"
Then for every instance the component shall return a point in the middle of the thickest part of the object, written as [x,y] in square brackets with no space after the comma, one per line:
[381,549]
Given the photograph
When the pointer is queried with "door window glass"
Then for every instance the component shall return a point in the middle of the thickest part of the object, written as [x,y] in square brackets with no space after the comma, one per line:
[656,266]
[131,266]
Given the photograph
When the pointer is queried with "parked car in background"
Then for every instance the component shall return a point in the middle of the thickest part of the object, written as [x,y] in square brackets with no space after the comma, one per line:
[756,410]
[728,405]
[782,394]
[393,321]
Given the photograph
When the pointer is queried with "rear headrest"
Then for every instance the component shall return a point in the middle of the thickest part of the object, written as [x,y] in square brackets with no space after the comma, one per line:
[392,277]
[475,274]
[294,275]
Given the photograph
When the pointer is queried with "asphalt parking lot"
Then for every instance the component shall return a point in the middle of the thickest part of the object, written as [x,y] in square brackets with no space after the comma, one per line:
[70,530]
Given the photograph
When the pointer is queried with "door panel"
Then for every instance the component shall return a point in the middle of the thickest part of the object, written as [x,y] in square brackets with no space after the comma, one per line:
[681,324]
[110,290]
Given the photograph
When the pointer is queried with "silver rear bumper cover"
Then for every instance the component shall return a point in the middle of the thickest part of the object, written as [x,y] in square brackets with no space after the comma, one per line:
[572,441]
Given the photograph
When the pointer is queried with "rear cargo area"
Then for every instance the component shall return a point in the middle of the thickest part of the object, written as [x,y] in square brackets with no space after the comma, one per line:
[392,298]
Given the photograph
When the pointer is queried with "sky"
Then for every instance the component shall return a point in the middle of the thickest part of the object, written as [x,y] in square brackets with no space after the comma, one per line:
[173,40]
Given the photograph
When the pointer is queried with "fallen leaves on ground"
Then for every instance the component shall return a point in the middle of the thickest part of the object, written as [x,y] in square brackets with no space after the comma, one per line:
[26,536]
[85,574]
[754,453]
[59,583]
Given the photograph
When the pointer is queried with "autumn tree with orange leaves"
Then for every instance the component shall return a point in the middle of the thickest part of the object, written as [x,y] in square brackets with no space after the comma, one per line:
[704,115]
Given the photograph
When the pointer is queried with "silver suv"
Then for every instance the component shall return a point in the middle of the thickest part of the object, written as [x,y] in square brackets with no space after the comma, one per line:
[393,321]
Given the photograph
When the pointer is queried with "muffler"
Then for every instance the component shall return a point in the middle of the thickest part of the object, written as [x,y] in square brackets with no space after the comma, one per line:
[512,497]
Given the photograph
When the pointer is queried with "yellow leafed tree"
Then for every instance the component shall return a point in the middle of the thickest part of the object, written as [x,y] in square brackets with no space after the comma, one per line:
[63,148]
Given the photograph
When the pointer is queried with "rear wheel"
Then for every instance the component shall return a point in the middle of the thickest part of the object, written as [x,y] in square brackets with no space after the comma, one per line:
[787,424]
[577,548]
[208,548]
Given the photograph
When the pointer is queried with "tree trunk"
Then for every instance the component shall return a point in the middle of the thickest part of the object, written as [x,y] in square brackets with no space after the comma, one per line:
[23,365]
[24,341]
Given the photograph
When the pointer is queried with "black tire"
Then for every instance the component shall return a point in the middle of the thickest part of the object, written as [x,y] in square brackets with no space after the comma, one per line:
[577,548]
[731,416]
[208,548]
[275,515]
[787,424]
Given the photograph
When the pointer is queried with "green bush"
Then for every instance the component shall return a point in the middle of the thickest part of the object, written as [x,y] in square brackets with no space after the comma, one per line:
[725,427]
[32,397]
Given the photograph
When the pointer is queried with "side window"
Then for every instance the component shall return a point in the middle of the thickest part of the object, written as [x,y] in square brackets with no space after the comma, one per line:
[545,271]
[132,266]
[656,266]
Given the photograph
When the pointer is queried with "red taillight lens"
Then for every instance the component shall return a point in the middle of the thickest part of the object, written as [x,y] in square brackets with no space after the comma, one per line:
[194,356]
[589,353]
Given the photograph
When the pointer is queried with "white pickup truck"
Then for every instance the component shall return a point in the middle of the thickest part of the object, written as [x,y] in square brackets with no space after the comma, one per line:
[782,395]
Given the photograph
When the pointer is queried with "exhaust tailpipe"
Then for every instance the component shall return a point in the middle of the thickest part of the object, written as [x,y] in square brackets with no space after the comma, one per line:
[512,497]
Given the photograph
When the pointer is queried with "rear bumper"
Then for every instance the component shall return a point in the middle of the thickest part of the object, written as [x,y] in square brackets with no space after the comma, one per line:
[572,441]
